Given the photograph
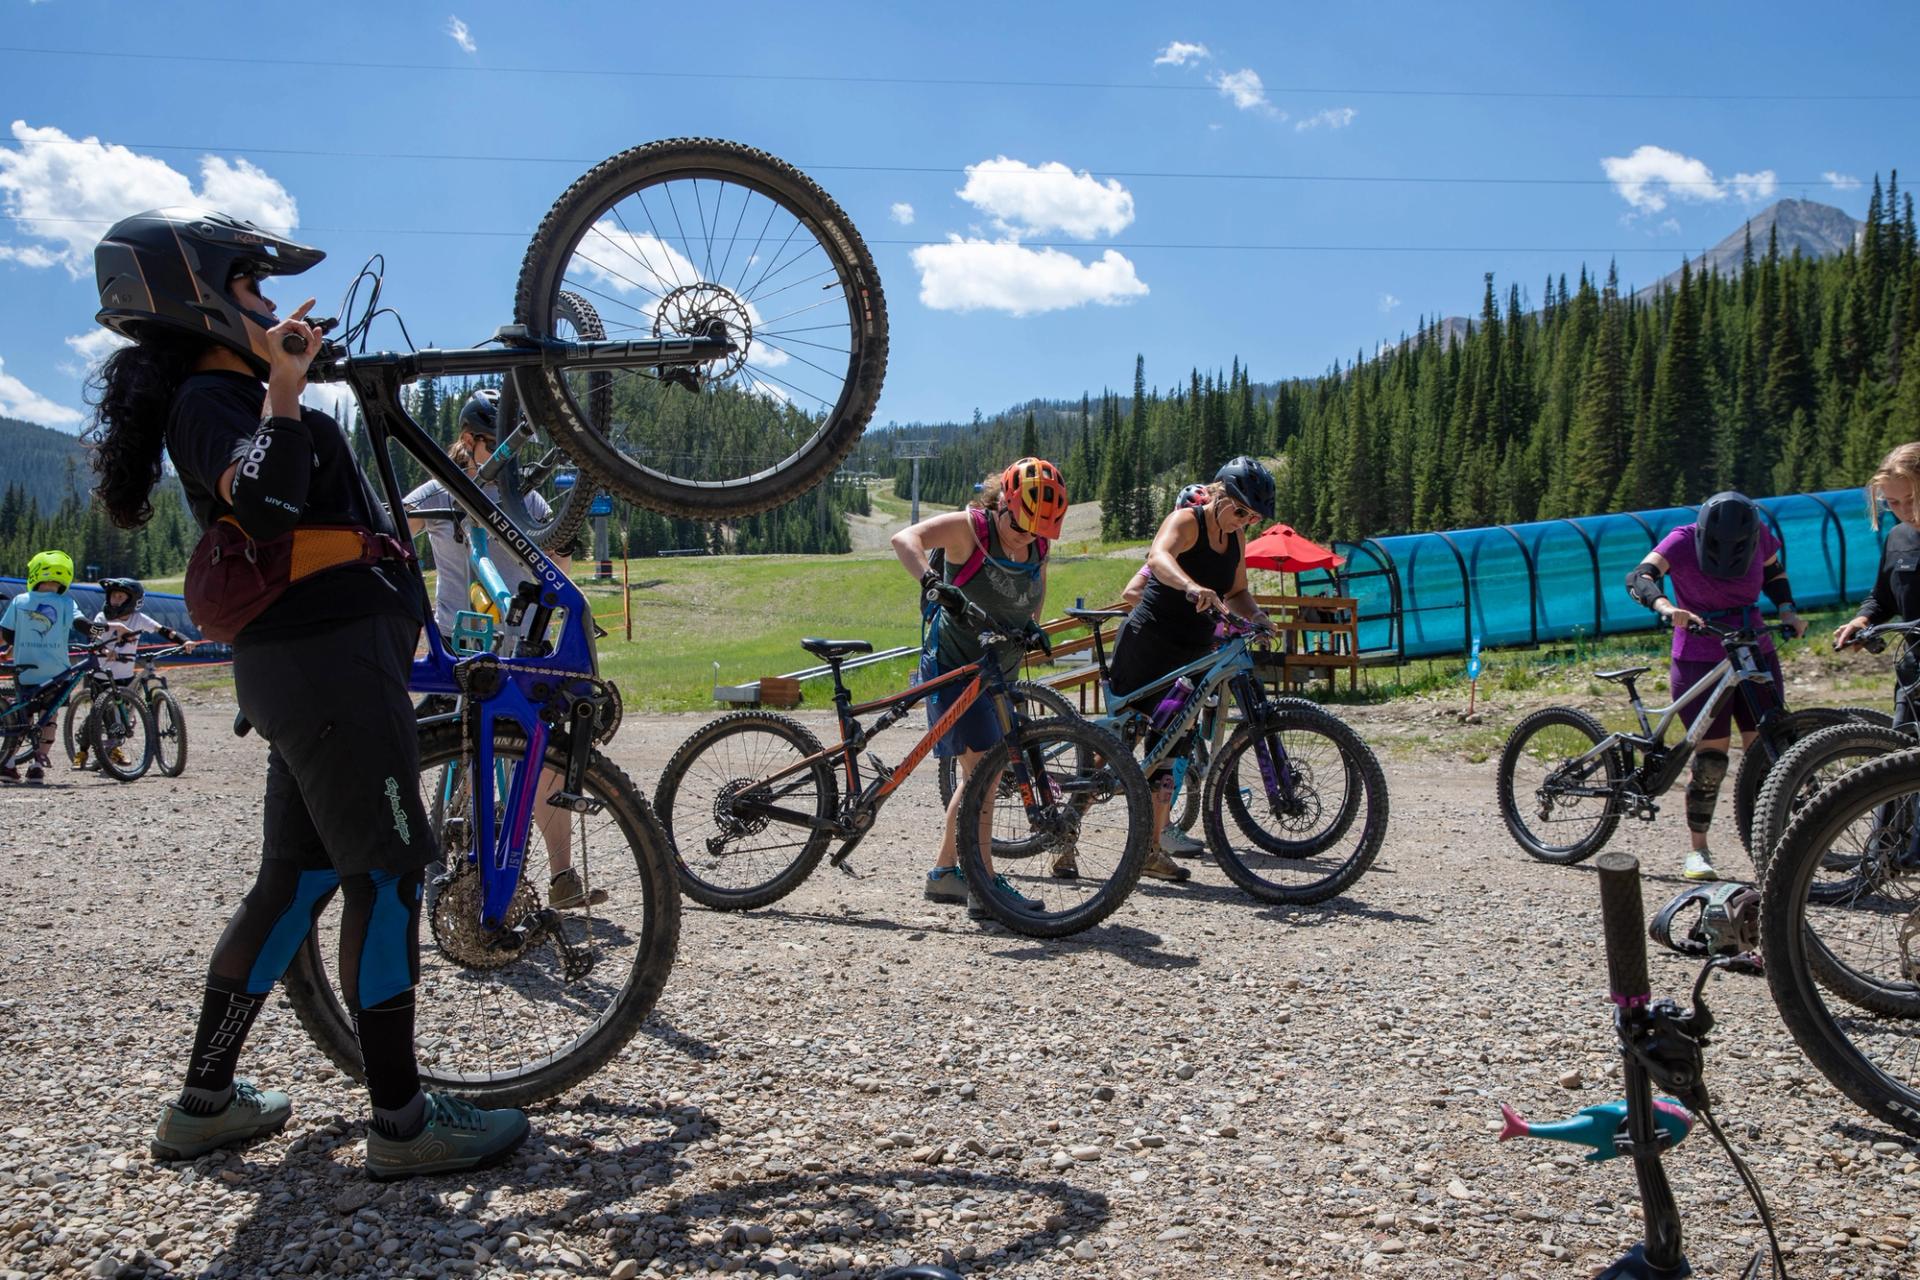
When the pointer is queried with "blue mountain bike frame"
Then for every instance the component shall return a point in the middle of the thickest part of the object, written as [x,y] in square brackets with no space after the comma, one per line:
[548,687]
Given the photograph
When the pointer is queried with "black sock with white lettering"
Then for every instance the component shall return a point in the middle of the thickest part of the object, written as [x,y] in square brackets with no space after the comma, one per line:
[226,1016]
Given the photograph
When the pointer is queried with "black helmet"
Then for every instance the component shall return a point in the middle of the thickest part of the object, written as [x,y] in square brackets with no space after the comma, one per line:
[135,594]
[1725,535]
[169,269]
[479,414]
[1249,484]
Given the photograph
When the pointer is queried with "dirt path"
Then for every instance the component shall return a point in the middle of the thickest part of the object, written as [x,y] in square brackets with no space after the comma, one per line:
[1202,1087]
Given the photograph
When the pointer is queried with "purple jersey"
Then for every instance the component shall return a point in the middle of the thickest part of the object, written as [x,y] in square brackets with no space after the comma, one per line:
[1718,600]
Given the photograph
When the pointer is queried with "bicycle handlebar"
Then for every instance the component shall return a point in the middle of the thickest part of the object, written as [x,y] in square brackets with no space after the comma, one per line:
[1622,917]
[1736,635]
[949,597]
[1874,639]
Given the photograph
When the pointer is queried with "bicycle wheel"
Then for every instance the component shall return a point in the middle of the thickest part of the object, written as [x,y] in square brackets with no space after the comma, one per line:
[119,732]
[169,733]
[537,464]
[1091,817]
[1781,733]
[1296,783]
[505,1025]
[1807,768]
[1037,702]
[1549,773]
[1869,1050]
[692,237]
[727,858]
[73,727]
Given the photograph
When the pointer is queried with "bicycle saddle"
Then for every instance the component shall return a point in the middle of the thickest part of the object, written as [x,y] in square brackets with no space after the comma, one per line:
[1095,615]
[1624,673]
[834,650]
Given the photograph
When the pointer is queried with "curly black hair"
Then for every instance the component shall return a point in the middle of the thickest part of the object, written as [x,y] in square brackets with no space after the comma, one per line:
[132,395]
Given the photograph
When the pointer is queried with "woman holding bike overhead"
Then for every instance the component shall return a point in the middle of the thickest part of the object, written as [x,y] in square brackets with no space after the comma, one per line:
[322,656]
[1896,588]
[1199,564]
[995,553]
[1719,566]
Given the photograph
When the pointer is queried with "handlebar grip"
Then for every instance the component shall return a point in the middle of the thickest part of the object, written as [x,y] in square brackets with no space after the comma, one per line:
[1623,921]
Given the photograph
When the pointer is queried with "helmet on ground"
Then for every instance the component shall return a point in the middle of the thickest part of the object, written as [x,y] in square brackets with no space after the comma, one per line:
[1194,495]
[170,270]
[481,413]
[1249,484]
[1726,535]
[1035,494]
[134,591]
[50,566]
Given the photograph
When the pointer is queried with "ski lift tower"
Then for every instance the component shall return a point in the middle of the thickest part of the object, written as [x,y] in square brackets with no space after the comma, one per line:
[914,451]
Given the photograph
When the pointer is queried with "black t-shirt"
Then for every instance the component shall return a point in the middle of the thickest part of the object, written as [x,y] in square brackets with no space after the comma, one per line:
[215,415]
[1896,588]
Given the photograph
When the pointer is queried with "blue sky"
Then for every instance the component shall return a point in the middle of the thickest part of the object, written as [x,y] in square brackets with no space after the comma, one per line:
[1059,276]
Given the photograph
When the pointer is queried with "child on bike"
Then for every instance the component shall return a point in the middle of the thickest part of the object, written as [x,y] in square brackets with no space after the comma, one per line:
[35,630]
[1719,566]
[320,668]
[452,583]
[1895,487]
[995,553]
[124,622]
[1199,564]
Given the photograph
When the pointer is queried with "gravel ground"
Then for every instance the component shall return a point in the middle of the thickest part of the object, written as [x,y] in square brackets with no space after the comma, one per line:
[855,1078]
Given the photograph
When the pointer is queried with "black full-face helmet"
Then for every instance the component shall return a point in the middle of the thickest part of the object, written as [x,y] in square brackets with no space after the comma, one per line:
[135,594]
[1249,484]
[1726,535]
[170,270]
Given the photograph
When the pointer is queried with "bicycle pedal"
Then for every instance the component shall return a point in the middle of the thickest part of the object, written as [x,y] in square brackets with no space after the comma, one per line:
[573,802]
[881,769]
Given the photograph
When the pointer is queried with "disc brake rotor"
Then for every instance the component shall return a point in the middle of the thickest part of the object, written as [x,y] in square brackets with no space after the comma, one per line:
[692,310]
[456,922]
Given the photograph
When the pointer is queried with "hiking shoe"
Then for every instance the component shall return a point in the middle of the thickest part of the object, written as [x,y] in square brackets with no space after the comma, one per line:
[1064,866]
[253,1113]
[1179,844]
[977,909]
[945,884]
[1700,866]
[1159,866]
[36,772]
[122,758]
[456,1137]
[565,891]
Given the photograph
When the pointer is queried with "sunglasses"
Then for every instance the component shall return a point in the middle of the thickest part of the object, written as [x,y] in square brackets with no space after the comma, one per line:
[1239,512]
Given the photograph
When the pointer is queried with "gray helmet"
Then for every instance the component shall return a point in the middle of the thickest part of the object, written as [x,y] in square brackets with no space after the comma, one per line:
[1194,495]
[170,270]
[1726,535]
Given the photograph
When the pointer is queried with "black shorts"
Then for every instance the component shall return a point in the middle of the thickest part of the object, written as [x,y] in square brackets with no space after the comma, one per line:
[343,768]
[1140,657]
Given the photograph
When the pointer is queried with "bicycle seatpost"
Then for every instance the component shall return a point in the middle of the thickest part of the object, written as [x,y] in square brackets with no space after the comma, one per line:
[1623,921]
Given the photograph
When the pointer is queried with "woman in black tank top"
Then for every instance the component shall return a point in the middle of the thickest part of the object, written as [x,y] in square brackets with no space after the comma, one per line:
[1199,564]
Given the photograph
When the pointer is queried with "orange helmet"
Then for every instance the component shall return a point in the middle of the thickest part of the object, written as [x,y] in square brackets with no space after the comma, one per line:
[1036,496]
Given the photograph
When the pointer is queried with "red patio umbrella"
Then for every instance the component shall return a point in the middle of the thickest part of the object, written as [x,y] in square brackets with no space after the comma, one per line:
[1281,549]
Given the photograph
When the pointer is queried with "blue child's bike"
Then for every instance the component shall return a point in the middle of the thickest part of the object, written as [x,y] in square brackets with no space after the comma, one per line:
[749,343]
[119,732]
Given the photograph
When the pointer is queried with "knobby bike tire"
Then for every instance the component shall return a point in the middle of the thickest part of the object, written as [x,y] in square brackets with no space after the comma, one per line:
[569,506]
[1607,770]
[114,709]
[1791,944]
[696,482]
[1783,732]
[169,733]
[1807,768]
[1039,703]
[1363,798]
[312,994]
[73,726]
[1087,770]
[719,763]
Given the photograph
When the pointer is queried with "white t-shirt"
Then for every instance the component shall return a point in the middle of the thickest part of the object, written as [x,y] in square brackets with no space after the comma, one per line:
[124,635]
[452,573]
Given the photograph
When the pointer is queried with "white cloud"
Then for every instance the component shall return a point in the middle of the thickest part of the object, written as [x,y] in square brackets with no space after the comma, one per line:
[1388,302]
[77,189]
[975,275]
[1841,181]
[901,212]
[1180,52]
[1332,118]
[1027,200]
[1244,89]
[92,347]
[17,400]
[461,35]
[1651,174]
[645,269]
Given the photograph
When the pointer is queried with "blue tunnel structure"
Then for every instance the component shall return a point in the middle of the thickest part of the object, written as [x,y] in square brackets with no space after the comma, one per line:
[1430,595]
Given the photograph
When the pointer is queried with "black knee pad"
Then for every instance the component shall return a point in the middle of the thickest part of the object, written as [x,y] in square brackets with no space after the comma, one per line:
[1709,771]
